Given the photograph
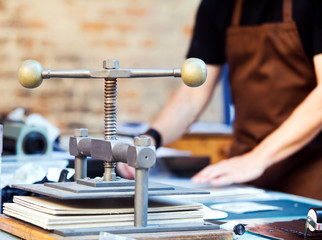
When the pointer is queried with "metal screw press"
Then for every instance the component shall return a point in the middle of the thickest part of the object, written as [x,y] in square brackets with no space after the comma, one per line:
[140,155]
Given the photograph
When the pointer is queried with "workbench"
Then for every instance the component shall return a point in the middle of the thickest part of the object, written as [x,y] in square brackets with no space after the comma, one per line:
[259,225]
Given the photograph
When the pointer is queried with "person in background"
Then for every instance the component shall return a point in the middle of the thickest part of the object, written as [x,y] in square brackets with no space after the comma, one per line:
[274,52]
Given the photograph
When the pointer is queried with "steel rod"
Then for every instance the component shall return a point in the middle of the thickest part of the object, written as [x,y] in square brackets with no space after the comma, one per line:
[80,167]
[141,197]
[111,73]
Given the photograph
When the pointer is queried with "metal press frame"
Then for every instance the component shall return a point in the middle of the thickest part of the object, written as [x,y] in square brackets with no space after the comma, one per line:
[141,154]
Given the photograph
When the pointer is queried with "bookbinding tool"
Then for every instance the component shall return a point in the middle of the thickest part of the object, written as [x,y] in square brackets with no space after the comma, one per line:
[140,155]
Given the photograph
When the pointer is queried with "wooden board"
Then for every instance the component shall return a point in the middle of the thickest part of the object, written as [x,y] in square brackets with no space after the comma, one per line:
[219,234]
[215,146]
[31,232]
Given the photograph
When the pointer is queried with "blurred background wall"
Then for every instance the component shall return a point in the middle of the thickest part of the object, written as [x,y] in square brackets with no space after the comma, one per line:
[64,34]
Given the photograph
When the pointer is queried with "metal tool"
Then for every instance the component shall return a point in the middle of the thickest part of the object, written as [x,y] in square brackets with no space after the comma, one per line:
[314,220]
[140,155]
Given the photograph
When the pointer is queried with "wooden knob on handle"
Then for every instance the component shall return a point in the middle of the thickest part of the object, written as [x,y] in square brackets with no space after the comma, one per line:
[193,72]
[29,74]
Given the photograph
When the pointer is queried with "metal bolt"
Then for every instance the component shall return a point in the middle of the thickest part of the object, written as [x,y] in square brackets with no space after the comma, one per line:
[143,141]
[81,132]
[111,64]
[109,171]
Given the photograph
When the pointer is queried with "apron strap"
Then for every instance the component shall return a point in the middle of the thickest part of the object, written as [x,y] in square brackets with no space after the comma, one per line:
[287,11]
[238,7]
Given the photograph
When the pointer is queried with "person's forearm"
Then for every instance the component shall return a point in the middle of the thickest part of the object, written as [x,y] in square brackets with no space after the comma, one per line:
[298,130]
[185,107]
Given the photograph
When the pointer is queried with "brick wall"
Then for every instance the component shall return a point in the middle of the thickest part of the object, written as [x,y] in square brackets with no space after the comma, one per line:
[63,34]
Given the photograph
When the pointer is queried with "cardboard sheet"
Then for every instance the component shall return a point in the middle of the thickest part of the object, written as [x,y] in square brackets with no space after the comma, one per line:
[102,206]
[50,213]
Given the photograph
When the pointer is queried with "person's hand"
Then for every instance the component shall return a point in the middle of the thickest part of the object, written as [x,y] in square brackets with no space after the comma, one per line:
[125,171]
[238,169]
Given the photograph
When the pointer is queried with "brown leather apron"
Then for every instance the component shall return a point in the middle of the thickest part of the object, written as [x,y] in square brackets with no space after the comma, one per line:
[270,75]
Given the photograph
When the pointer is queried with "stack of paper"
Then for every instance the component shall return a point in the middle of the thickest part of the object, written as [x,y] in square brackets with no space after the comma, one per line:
[50,213]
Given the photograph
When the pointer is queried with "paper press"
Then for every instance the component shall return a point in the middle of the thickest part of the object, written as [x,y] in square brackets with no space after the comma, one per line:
[140,155]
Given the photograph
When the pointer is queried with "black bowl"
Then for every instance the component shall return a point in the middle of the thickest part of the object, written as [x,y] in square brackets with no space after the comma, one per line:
[184,166]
